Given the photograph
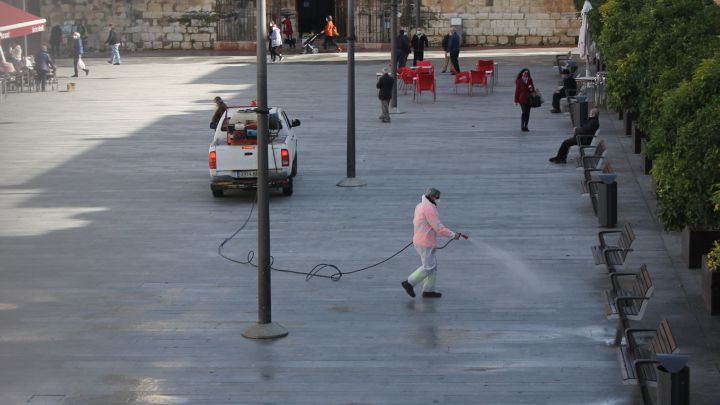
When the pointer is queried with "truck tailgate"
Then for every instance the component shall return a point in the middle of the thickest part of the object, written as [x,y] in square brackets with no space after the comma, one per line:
[236,157]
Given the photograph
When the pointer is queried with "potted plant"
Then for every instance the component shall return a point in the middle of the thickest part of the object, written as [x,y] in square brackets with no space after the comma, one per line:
[710,288]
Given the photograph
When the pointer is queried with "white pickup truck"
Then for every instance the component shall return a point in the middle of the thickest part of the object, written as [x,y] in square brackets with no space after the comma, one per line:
[233,151]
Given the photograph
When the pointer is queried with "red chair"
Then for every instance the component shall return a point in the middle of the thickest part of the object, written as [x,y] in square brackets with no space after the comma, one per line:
[478,78]
[487,66]
[424,82]
[407,78]
[425,63]
[463,78]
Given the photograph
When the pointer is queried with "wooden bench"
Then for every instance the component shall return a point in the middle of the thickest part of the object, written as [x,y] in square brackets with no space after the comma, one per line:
[588,174]
[612,255]
[590,155]
[628,304]
[638,361]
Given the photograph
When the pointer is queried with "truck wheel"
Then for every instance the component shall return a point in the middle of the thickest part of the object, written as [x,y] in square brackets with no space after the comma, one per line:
[293,173]
[288,190]
[217,193]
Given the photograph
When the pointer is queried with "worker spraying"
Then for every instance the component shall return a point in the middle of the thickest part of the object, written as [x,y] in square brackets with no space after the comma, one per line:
[427,226]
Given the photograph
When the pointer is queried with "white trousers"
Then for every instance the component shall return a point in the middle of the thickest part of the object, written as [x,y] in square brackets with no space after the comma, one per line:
[427,272]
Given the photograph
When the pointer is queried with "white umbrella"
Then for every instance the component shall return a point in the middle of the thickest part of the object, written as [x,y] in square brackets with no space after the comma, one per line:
[584,39]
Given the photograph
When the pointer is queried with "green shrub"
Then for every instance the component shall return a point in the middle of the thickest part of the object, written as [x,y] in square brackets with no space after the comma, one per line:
[618,39]
[687,149]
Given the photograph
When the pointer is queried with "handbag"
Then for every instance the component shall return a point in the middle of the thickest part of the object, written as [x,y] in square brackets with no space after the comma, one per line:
[535,99]
[80,63]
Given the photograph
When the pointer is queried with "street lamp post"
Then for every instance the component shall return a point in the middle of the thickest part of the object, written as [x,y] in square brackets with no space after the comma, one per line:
[264,328]
[393,53]
[351,180]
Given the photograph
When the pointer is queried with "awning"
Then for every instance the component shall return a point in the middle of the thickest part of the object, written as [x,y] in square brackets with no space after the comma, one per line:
[16,23]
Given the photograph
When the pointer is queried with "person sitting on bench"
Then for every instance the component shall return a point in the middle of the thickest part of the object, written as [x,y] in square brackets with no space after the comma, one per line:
[590,127]
[568,88]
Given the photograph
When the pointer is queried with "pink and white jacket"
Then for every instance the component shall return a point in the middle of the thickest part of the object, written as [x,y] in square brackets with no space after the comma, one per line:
[427,225]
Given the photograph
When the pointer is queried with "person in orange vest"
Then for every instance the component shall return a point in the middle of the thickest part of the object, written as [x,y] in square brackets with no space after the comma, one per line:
[331,33]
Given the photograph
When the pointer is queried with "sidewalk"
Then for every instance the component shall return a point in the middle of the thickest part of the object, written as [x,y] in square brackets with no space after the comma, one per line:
[112,291]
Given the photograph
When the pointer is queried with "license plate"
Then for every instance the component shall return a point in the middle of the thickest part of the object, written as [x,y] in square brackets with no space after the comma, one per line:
[246,173]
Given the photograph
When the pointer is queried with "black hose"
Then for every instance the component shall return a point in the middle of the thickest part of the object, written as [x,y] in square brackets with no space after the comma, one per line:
[315,271]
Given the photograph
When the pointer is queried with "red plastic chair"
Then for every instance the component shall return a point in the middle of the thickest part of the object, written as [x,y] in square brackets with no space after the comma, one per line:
[425,63]
[463,78]
[487,66]
[478,78]
[424,82]
[407,78]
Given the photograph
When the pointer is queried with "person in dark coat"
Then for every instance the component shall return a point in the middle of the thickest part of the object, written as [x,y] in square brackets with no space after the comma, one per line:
[55,41]
[385,87]
[446,50]
[589,128]
[523,87]
[113,40]
[419,43]
[220,108]
[403,48]
[569,87]
[454,49]
[43,65]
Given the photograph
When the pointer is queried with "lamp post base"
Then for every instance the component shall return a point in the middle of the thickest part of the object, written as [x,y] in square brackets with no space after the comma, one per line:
[351,182]
[270,330]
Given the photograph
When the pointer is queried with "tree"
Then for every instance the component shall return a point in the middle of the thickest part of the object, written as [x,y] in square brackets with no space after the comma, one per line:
[687,169]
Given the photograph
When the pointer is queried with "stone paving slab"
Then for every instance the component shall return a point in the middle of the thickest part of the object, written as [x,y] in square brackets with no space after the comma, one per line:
[112,291]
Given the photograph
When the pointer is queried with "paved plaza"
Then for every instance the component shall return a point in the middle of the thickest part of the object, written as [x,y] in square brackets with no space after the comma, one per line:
[112,291]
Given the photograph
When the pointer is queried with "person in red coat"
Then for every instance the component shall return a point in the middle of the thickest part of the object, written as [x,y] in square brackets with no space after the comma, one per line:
[288,31]
[523,87]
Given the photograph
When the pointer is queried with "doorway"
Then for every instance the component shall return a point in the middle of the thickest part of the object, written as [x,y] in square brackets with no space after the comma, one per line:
[312,13]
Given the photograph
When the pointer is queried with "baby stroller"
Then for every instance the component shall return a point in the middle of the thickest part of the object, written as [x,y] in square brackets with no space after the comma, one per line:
[307,46]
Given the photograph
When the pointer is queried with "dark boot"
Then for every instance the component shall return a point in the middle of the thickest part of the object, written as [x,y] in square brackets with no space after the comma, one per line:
[432,294]
[408,288]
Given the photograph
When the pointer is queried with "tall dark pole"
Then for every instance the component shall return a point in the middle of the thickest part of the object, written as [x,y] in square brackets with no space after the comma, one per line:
[417,13]
[265,328]
[351,180]
[393,52]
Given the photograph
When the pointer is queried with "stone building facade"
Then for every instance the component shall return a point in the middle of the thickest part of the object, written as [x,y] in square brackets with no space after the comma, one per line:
[213,24]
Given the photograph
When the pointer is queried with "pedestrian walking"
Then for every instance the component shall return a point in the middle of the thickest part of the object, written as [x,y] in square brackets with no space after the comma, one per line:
[402,46]
[331,33]
[419,43]
[523,87]
[454,49]
[43,65]
[77,55]
[220,108]
[446,50]
[275,43]
[55,41]
[113,40]
[427,226]
[385,87]
[287,30]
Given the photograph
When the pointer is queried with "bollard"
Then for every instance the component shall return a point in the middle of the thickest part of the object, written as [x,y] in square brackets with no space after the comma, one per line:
[629,118]
[579,111]
[638,136]
[673,380]
[607,204]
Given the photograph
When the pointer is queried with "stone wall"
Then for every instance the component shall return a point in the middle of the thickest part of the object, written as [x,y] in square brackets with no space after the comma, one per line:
[142,24]
[506,22]
[191,24]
